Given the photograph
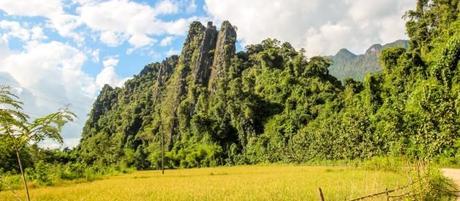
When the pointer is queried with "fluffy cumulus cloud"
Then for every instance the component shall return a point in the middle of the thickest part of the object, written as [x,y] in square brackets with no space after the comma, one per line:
[31,7]
[108,74]
[166,7]
[52,10]
[171,52]
[13,29]
[121,20]
[115,21]
[166,41]
[321,27]
[48,76]
[4,50]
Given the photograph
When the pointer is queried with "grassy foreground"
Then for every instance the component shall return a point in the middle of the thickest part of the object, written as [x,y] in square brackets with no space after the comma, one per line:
[271,182]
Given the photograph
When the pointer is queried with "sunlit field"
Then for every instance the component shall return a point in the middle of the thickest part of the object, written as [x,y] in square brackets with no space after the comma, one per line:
[271,182]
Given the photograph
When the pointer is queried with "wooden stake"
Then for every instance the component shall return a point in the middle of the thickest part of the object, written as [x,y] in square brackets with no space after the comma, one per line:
[162,153]
[321,196]
[388,194]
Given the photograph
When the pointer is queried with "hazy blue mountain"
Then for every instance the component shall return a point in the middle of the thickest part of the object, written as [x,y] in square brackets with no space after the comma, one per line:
[349,65]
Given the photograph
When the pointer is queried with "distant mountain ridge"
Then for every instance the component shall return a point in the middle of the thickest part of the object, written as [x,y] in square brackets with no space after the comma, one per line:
[349,65]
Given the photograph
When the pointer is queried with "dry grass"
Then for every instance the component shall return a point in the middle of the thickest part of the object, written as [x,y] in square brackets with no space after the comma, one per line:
[271,182]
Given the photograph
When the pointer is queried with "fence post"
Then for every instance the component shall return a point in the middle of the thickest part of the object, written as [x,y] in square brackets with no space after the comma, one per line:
[388,194]
[321,196]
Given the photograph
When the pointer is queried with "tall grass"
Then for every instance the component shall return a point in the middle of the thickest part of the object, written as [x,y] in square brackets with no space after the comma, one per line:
[339,180]
[266,182]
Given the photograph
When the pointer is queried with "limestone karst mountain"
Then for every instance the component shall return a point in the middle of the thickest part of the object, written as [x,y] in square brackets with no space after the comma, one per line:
[210,104]
[346,64]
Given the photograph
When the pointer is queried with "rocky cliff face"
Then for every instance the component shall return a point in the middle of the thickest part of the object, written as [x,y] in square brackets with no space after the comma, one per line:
[225,50]
[205,52]
[205,55]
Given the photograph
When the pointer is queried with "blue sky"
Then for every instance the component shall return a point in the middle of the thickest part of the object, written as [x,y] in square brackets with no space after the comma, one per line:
[61,52]
[132,62]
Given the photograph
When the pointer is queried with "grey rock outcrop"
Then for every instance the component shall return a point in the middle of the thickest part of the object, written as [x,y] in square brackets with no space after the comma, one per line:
[205,55]
[224,52]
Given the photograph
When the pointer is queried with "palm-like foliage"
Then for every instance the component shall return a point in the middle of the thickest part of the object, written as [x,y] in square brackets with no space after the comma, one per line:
[10,110]
[47,127]
[15,123]
[19,131]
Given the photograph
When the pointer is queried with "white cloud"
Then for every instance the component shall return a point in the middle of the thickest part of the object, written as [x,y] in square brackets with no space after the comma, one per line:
[139,40]
[141,44]
[108,74]
[65,25]
[171,52]
[52,10]
[50,76]
[166,41]
[315,38]
[115,21]
[13,29]
[30,7]
[179,26]
[166,7]
[95,55]
[36,33]
[4,50]
[191,6]
[322,27]
[83,1]
[110,38]
[364,9]
[137,23]
[110,62]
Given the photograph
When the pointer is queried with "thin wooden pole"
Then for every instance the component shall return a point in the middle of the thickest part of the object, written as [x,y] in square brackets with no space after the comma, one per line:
[23,175]
[162,153]
[321,196]
[387,194]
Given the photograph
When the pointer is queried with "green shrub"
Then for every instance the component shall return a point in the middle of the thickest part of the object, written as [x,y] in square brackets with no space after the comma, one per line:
[8,182]
[47,174]
[437,186]
[41,174]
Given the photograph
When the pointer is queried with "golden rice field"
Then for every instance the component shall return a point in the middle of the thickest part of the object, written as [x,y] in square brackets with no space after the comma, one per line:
[271,182]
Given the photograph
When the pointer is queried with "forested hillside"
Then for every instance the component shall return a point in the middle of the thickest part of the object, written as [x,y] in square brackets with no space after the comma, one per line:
[346,64]
[269,103]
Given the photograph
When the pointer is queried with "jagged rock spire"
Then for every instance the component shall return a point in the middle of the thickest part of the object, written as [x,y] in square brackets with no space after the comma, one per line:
[205,56]
[205,52]
[225,50]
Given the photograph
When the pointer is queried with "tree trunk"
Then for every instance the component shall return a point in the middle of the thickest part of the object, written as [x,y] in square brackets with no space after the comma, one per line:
[23,175]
